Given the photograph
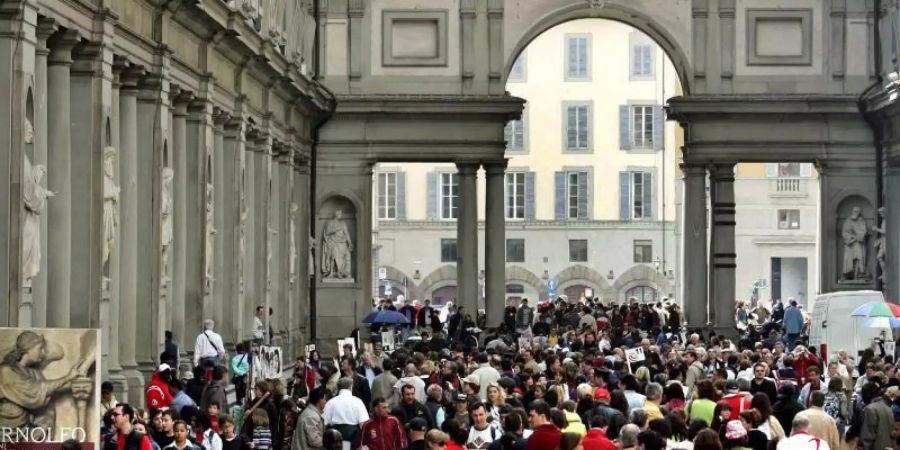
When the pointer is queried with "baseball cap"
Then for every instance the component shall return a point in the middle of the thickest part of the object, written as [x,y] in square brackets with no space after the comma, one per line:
[163,367]
[731,385]
[417,424]
[462,397]
[472,379]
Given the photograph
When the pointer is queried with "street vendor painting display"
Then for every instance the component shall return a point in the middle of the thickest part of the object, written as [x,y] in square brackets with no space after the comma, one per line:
[49,387]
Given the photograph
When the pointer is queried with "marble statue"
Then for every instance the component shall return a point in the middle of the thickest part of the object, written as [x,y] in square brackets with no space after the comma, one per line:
[881,243]
[110,202]
[168,175]
[34,197]
[337,248]
[313,245]
[210,232]
[854,233]
[292,263]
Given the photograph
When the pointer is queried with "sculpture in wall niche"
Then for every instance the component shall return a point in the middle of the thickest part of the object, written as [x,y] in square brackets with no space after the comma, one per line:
[337,248]
[168,175]
[880,243]
[110,202]
[292,263]
[854,234]
[210,233]
[313,245]
[34,198]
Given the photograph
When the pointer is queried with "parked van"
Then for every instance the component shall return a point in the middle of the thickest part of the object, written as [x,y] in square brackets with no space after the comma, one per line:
[832,329]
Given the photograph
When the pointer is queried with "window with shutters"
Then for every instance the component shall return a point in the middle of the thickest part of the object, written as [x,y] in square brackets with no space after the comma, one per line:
[576,195]
[642,126]
[515,195]
[641,196]
[578,62]
[642,60]
[387,195]
[515,250]
[448,195]
[514,133]
[519,70]
[643,251]
[448,250]
[578,127]
[788,219]
[578,250]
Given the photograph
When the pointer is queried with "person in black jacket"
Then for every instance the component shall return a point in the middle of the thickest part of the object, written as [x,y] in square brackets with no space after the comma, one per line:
[409,408]
[361,387]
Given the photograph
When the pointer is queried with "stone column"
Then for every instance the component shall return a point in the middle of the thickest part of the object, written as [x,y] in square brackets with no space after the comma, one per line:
[467,288]
[45,29]
[109,318]
[274,238]
[175,278]
[219,179]
[248,213]
[300,289]
[495,243]
[59,177]
[128,232]
[232,328]
[891,226]
[724,257]
[695,298]
[261,188]
[198,123]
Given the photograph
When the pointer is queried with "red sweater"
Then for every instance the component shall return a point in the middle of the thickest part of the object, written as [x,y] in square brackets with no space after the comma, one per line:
[596,439]
[544,437]
[157,393]
[145,442]
[383,433]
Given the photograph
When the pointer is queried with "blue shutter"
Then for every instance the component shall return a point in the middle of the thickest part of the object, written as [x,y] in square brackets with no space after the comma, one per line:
[529,196]
[508,134]
[401,195]
[624,196]
[432,200]
[583,195]
[624,134]
[571,128]
[583,127]
[659,128]
[649,196]
[573,57]
[560,197]
[647,53]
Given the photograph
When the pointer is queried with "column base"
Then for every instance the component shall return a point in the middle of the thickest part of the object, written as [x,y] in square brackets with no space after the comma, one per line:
[132,383]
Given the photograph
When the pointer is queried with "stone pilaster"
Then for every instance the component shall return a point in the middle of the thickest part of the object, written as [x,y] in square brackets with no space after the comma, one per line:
[232,328]
[176,273]
[467,286]
[274,236]
[300,288]
[260,159]
[197,142]
[59,177]
[249,292]
[695,298]
[495,243]
[723,247]
[219,178]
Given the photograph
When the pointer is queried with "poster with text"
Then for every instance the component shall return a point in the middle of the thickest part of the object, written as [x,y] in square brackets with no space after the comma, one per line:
[49,388]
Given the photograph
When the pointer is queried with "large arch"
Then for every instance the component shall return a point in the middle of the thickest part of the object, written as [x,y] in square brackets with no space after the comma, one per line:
[580,272]
[667,23]
[519,273]
[399,278]
[642,275]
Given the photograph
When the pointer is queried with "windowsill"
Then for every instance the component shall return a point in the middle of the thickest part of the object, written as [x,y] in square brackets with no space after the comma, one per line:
[638,150]
[579,151]
[571,79]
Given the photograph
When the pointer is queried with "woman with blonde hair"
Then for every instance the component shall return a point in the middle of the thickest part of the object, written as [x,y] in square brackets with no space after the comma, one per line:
[496,399]
[436,440]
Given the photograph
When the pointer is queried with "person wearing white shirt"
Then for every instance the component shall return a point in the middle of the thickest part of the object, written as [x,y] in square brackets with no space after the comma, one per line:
[208,347]
[345,412]
[800,438]
[259,328]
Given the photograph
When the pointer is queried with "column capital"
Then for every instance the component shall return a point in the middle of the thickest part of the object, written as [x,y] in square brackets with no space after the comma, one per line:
[467,167]
[86,56]
[46,26]
[180,99]
[61,44]
[129,77]
[495,167]
[693,169]
[722,171]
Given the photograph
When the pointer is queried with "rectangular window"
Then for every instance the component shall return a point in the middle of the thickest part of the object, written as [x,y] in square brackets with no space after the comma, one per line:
[387,195]
[515,250]
[449,195]
[515,195]
[642,126]
[642,60]
[643,251]
[519,70]
[789,170]
[788,219]
[448,250]
[577,57]
[578,250]
[578,127]
[641,192]
[576,192]
[514,133]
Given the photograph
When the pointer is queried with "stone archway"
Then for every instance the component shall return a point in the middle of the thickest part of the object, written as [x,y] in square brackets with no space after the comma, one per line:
[667,23]
[642,275]
[401,280]
[579,272]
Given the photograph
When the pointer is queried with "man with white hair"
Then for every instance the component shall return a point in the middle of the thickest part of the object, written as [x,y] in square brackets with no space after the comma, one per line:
[628,436]
[208,347]
[800,438]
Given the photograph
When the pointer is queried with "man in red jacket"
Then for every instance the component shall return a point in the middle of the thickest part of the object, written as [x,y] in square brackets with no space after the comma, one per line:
[737,400]
[596,439]
[383,431]
[546,435]
[157,392]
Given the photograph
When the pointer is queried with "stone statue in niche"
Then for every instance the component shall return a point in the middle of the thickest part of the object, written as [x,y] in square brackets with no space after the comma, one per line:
[880,231]
[34,198]
[313,245]
[292,263]
[854,233]
[210,233]
[110,202]
[168,175]
[337,248]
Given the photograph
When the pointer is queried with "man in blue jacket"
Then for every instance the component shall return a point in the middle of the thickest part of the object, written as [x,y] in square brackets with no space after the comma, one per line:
[793,323]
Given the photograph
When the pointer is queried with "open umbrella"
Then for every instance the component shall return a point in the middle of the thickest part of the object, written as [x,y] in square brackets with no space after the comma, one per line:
[385,316]
[877,309]
[882,322]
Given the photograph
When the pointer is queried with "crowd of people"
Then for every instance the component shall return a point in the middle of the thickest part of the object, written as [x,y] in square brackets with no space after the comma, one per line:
[551,377]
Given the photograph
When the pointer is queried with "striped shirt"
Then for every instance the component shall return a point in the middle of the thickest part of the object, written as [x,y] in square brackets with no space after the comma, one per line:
[262,438]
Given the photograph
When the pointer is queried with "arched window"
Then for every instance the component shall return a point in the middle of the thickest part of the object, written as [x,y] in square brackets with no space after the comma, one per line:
[643,294]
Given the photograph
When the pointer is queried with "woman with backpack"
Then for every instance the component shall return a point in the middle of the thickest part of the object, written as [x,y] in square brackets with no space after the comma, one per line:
[837,405]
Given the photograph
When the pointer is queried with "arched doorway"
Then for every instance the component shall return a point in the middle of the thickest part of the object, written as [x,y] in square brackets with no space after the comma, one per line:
[442,295]
[642,294]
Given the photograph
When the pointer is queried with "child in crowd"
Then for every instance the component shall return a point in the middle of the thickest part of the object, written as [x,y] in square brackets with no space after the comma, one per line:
[262,435]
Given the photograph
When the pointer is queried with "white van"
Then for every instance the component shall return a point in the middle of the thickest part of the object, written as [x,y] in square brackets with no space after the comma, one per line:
[832,328]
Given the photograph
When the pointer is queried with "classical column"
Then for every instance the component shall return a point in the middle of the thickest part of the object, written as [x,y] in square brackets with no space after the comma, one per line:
[59,177]
[45,29]
[261,192]
[495,243]
[274,236]
[891,227]
[695,296]
[109,317]
[724,257]
[248,214]
[198,123]
[128,232]
[229,233]
[467,288]
[300,288]
[219,179]
[174,278]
